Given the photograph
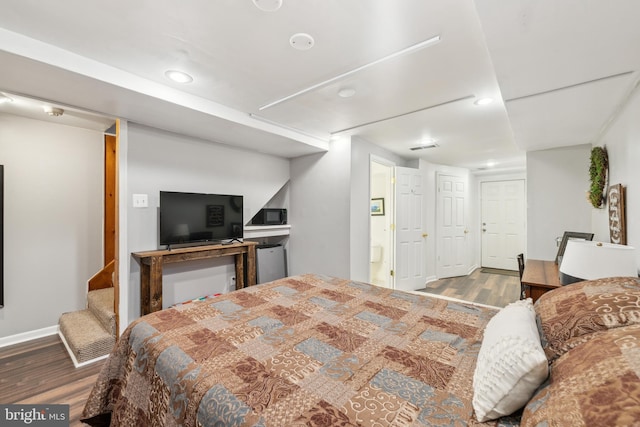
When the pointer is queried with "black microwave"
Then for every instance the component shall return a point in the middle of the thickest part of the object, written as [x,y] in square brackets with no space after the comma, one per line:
[269,216]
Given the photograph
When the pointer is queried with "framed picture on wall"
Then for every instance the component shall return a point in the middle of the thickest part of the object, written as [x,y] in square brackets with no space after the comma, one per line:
[377,206]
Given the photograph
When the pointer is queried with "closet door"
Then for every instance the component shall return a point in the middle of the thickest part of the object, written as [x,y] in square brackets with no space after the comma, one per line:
[410,272]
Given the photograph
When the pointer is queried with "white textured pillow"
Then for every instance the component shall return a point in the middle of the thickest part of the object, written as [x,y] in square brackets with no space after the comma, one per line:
[511,363]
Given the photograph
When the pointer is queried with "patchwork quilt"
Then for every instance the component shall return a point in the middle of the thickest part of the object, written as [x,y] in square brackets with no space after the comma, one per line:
[304,350]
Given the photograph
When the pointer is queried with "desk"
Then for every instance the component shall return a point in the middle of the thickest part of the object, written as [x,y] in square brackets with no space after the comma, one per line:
[540,276]
[151,263]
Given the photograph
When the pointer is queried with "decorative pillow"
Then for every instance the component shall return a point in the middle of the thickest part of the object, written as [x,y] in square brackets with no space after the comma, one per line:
[569,315]
[511,363]
[594,384]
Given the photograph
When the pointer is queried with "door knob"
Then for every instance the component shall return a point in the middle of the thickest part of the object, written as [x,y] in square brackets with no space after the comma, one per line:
[466,231]
[425,235]
[484,230]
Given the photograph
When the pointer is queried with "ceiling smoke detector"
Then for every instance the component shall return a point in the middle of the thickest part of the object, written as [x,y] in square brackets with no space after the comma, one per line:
[53,111]
[301,41]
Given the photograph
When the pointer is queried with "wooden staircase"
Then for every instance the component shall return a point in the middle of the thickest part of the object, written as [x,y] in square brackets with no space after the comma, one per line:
[90,334]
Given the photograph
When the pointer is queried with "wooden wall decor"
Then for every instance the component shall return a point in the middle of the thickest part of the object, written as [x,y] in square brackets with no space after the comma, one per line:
[617,225]
[599,176]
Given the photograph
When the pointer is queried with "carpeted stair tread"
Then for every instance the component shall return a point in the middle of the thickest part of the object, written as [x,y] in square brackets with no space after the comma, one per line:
[85,336]
[100,302]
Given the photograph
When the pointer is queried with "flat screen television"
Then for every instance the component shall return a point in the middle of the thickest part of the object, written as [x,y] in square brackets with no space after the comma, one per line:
[195,218]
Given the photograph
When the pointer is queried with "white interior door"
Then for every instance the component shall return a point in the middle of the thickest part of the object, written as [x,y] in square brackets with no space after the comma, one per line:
[451,219]
[503,223]
[410,271]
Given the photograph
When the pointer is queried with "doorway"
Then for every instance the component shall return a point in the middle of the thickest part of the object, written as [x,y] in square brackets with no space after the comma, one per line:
[381,233]
[503,223]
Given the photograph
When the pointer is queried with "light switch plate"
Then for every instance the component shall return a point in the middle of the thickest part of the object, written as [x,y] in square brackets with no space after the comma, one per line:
[140,201]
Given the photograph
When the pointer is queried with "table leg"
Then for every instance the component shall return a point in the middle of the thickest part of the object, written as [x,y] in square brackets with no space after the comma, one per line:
[155,284]
[145,292]
[239,271]
[251,265]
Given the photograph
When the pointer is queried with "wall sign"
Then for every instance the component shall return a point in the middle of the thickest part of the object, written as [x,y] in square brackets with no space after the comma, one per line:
[617,226]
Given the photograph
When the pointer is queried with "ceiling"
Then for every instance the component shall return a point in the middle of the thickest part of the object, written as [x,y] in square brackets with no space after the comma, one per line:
[558,71]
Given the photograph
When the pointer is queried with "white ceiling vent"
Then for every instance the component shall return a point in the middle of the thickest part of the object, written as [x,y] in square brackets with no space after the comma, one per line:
[424,146]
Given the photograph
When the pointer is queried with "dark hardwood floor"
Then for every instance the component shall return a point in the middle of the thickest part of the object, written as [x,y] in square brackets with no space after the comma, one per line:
[484,288]
[40,371]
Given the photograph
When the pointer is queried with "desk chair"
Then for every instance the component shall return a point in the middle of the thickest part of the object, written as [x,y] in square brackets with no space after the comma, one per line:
[523,292]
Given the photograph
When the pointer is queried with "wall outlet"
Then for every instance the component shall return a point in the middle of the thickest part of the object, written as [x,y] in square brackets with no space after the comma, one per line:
[232,284]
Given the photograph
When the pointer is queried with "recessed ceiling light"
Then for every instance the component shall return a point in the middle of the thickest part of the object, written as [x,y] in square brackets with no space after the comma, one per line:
[301,41]
[484,101]
[178,76]
[268,5]
[491,164]
[346,92]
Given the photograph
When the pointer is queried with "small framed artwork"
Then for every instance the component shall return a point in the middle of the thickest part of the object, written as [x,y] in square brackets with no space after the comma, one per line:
[570,235]
[377,206]
[617,225]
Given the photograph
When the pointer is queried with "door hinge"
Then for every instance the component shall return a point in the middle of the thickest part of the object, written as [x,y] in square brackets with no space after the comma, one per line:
[391,273]
[393,227]
[393,179]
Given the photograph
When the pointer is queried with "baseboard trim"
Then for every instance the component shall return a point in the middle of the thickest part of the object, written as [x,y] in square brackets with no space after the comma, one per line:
[472,269]
[28,336]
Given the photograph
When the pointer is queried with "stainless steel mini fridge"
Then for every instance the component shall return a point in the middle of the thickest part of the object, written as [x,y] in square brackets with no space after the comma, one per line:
[270,263]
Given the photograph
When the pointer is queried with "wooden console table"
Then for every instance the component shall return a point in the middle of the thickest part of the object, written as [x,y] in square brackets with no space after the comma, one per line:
[540,276]
[151,263]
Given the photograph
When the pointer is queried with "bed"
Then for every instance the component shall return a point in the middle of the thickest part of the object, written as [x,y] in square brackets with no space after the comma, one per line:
[322,351]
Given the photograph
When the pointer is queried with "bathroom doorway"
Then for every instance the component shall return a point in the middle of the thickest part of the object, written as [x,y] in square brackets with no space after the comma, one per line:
[381,233]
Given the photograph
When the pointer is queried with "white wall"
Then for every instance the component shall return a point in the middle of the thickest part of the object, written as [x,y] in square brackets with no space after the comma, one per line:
[557,182]
[52,220]
[158,160]
[320,212]
[622,141]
